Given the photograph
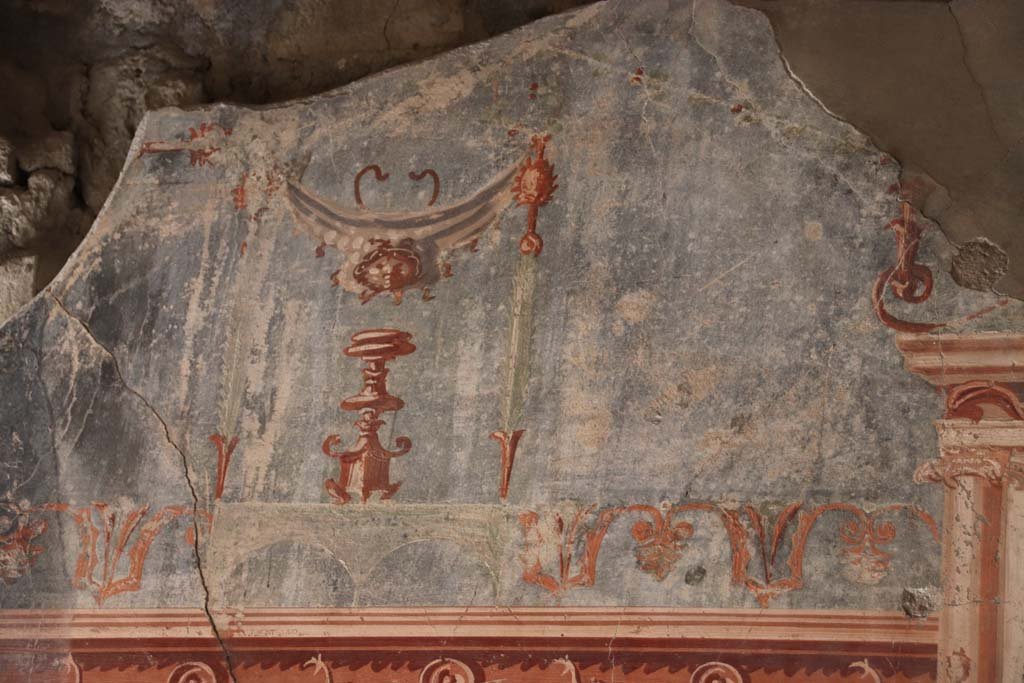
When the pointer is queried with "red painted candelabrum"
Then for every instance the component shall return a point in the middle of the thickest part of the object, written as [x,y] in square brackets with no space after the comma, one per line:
[366,466]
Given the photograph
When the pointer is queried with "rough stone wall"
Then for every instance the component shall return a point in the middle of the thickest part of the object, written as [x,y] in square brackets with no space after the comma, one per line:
[942,96]
[77,78]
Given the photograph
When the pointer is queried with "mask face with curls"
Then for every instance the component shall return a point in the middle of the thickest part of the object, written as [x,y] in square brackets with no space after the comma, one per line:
[391,252]
[388,268]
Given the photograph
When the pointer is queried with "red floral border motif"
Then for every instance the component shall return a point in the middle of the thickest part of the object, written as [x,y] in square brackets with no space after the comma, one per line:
[516,645]
[113,542]
[560,546]
[576,541]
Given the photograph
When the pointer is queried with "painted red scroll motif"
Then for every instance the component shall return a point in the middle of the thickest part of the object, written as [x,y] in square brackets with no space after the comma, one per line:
[413,175]
[716,672]
[381,176]
[514,661]
[968,400]
[511,658]
[192,672]
[447,671]
[908,280]
[994,465]
[366,467]
[660,538]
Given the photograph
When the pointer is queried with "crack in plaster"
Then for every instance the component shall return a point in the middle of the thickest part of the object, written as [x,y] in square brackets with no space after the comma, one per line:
[743,92]
[792,74]
[643,89]
[51,423]
[803,86]
[387,23]
[983,93]
[974,79]
[740,89]
[184,462]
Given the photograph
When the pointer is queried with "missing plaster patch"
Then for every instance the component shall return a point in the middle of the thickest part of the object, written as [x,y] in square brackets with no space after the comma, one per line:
[979,264]
[695,575]
[917,603]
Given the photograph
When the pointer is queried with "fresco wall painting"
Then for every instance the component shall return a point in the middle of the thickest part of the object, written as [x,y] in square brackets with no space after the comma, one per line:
[504,520]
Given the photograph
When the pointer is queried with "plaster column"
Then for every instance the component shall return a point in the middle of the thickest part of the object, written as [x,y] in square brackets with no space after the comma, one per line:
[981,467]
[1013,576]
[979,636]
